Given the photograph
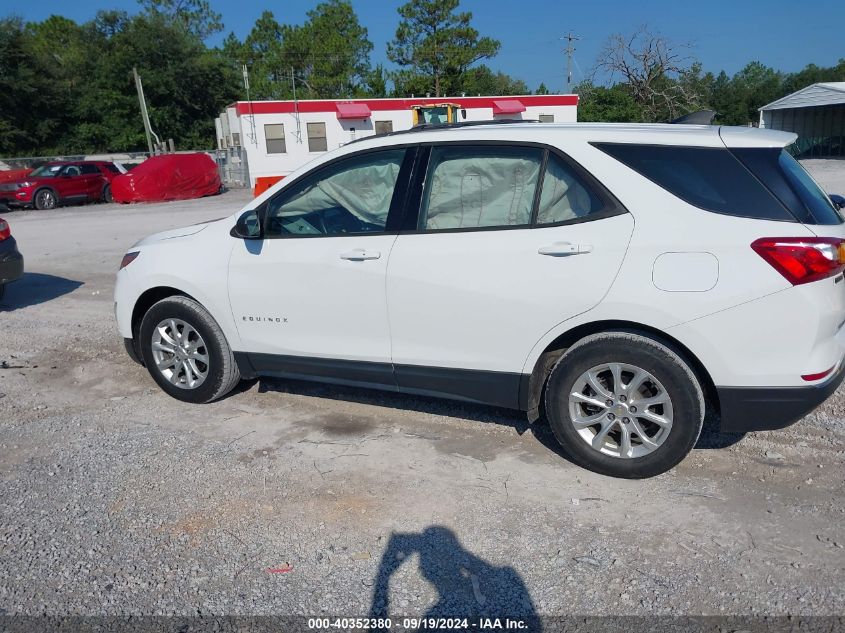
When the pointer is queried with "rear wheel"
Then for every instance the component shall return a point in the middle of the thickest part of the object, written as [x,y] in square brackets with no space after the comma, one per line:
[186,352]
[107,197]
[624,405]
[45,199]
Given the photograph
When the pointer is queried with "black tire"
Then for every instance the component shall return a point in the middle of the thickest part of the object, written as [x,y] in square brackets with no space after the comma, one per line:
[665,365]
[221,374]
[45,199]
[107,197]
[2,291]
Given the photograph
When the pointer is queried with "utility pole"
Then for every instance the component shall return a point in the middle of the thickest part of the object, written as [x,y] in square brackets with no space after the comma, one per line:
[254,137]
[569,50]
[144,115]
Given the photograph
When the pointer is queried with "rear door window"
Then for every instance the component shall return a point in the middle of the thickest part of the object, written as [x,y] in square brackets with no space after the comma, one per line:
[479,187]
[565,196]
[709,178]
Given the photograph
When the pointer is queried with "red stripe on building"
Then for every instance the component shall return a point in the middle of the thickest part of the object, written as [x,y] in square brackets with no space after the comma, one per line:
[326,105]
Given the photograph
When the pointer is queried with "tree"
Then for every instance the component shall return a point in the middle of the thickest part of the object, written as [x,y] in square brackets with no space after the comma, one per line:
[542,89]
[660,76]
[195,16]
[434,46]
[331,51]
[612,104]
[328,55]
[737,99]
[481,80]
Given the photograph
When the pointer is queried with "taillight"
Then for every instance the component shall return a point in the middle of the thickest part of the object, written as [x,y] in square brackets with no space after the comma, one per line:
[128,259]
[5,231]
[818,376]
[803,259]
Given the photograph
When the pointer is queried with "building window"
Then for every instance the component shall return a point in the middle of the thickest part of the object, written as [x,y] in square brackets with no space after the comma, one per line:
[547,118]
[236,139]
[384,127]
[274,135]
[317,137]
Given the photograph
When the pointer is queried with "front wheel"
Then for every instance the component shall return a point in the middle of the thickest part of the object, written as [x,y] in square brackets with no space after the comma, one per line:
[624,405]
[45,199]
[186,352]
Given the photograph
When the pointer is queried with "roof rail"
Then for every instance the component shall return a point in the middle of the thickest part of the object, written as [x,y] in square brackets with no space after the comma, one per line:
[426,127]
[701,117]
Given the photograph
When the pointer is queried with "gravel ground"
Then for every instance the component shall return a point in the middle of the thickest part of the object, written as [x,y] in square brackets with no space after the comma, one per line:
[116,499]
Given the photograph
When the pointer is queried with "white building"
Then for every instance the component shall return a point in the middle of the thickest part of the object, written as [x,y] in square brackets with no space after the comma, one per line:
[276,137]
[816,114]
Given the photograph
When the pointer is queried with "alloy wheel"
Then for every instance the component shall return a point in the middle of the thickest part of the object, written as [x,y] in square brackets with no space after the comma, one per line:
[620,410]
[46,199]
[180,353]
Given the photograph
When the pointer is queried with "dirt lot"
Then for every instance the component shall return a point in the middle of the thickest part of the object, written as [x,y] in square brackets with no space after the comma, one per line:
[116,499]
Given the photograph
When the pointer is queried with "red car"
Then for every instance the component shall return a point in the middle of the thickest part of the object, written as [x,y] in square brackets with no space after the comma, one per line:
[58,183]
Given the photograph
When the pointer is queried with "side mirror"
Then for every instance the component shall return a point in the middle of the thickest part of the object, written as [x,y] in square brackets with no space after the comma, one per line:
[248,226]
[837,200]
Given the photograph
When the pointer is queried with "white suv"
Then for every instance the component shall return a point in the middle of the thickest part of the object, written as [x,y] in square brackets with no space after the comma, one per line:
[621,277]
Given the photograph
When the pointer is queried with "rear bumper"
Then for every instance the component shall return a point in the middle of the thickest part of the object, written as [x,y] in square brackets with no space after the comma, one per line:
[11,261]
[746,409]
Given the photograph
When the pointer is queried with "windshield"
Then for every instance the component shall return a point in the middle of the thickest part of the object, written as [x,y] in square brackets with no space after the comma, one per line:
[47,171]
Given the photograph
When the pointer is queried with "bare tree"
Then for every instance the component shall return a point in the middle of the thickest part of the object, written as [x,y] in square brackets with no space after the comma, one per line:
[661,75]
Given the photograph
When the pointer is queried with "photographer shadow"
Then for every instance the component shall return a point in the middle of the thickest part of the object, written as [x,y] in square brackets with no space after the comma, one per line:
[467,585]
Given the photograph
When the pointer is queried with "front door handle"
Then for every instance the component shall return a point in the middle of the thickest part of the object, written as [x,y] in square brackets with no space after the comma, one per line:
[360,254]
[564,249]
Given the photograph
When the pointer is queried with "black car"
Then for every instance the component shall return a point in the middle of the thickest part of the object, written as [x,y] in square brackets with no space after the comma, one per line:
[11,261]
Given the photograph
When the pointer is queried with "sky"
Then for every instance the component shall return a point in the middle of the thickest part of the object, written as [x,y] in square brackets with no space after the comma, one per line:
[784,34]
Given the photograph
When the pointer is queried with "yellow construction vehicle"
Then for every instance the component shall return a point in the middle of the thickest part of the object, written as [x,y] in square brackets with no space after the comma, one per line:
[436,113]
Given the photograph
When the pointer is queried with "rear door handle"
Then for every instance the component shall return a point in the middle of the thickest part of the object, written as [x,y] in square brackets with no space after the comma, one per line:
[563,249]
[360,254]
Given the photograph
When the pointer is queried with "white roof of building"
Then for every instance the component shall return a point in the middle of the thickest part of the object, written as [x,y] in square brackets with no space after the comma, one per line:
[830,93]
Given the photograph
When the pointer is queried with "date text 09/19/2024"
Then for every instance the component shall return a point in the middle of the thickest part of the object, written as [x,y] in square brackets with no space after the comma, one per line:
[421,623]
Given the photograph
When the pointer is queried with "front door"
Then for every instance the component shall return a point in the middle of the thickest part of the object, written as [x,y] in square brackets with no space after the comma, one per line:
[70,184]
[504,251]
[309,298]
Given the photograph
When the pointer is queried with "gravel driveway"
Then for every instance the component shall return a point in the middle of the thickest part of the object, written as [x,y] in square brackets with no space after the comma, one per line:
[293,498]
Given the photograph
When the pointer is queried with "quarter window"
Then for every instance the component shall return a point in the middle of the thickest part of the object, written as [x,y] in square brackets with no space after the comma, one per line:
[709,178]
[350,197]
[474,187]
[317,137]
[564,196]
[274,136]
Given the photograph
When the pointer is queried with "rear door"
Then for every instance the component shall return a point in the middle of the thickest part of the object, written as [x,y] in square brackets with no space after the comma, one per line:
[91,181]
[509,241]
